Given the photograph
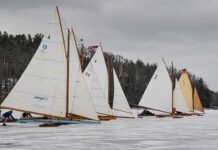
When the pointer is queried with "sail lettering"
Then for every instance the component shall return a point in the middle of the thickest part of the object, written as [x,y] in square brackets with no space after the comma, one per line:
[40,98]
[87,74]
[155,77]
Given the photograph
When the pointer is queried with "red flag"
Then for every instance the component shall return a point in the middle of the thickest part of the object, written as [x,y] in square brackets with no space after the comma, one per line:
[183,71]
[92,48]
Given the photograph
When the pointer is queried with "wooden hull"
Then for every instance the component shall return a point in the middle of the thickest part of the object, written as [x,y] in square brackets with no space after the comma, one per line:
[76,117]
[173,116]
[106,118]
[58,121]
[50,124]
[199,114]
[176,117]
[163,116]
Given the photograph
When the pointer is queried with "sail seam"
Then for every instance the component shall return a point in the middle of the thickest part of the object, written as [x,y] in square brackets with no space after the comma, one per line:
[43,77]
[52,60]
[19,91]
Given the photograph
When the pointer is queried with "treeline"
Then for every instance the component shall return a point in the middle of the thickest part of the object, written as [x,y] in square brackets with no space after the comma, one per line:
[16,52]
[134,76]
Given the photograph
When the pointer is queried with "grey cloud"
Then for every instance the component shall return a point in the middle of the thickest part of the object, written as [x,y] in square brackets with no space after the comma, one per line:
[185,32]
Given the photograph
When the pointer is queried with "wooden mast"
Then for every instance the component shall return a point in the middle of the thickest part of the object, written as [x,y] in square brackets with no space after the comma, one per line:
[192,86]
[62,32]
[68,74]
[193,104]
[21,110]
[67,54]
[74,38]
[173,109]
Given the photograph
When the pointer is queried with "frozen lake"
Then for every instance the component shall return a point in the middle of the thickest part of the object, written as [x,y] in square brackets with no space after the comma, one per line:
[193,132]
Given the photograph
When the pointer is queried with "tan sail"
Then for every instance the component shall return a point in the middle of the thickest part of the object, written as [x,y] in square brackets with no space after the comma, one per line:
[197,102]
[179,103]
[186,88]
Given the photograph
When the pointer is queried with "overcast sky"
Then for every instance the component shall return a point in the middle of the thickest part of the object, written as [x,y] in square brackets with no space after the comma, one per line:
[182,31]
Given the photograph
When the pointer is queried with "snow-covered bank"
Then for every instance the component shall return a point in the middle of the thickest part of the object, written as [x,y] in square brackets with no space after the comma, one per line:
[192,132]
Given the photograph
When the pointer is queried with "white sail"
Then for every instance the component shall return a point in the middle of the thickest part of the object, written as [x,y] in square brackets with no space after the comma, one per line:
[80,102]
[121,106]
[42,86]
[179,100]
[158,94]
[95,88]
[101,70]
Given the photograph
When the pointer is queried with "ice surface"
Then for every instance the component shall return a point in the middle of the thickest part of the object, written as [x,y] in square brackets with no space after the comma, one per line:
[193,133]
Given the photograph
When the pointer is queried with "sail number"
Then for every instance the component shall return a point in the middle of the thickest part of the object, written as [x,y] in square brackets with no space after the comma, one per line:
[44,47]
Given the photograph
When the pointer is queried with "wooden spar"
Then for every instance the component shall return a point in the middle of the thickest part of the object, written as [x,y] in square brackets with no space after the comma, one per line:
[74,38]
[172,89]
[68,74]
[150,108]
[32,112]
[62,33]
[107,73]
[123,111]
[192,86]
[193,107]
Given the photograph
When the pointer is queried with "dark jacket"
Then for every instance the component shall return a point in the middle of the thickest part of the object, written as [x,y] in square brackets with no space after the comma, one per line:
[8,114]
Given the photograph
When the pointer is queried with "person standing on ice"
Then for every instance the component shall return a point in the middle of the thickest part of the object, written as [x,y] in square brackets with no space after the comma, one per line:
[7,115]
